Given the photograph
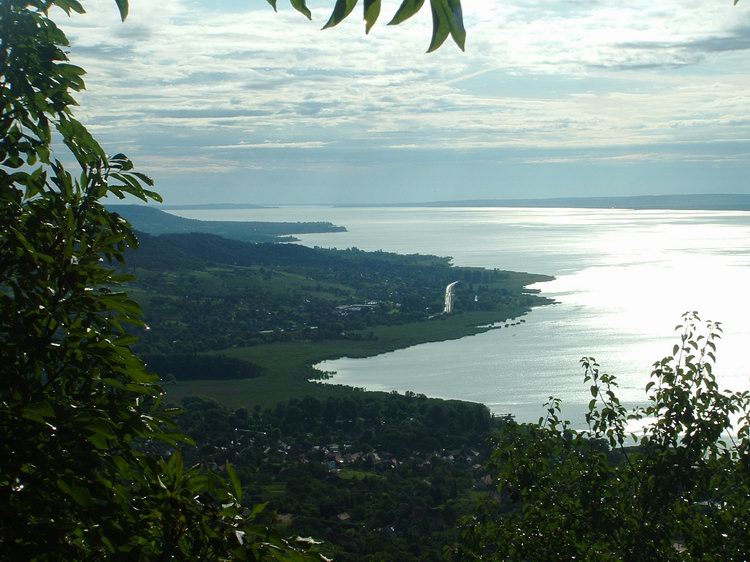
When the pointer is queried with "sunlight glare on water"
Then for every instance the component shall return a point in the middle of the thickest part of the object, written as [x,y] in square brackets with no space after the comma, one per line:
[623,280]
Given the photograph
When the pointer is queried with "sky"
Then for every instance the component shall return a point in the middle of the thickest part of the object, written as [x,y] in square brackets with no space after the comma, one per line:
[228,101]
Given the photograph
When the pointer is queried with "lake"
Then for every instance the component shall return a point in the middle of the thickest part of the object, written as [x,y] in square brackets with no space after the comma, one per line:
[623,278]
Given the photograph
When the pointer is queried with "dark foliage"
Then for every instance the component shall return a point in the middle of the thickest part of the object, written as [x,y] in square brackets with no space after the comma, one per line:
[379,477]
[155,222]
[682,492]
[87,469]
[189,366]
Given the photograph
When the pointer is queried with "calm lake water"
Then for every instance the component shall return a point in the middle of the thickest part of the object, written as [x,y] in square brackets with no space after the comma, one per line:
[623,279]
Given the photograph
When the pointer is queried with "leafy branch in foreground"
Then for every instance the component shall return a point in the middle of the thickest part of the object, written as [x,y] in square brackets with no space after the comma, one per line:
[447,17]
[680,492]
[84,439]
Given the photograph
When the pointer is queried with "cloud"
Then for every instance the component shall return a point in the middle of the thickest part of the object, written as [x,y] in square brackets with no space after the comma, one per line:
[630,158]
[737,39]
[270,144]
[186,78]
[171,165]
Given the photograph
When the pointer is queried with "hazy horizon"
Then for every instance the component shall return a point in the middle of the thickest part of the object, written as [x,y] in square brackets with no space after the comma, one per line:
[692,201]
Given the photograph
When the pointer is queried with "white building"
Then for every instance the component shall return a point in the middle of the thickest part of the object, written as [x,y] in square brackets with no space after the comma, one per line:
[450,295]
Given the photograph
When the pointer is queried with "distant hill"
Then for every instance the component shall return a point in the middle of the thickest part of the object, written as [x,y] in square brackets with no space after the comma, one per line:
[196,250]
[214,206]
[199,250]
[706,202]
[153,221]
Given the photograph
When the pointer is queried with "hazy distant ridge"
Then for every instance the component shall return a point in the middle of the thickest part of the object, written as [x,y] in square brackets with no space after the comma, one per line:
[708,202]
[156,222]
[213,206]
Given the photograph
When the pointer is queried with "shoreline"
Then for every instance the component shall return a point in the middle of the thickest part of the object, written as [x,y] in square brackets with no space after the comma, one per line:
[327,377]
[289,367]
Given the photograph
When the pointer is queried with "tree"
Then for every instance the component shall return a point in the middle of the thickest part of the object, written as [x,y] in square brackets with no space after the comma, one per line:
[83,456]
[681,492]
[87,462]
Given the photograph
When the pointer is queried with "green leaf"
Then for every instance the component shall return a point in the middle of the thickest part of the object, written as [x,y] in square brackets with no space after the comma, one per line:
[235,481]
[441,23]
[144,178]
[153,195]
[372,11]
[458,32]
[273,4]
[108,545]
[407,9]
[126,340]
[80,142]
[176,439]
[301,7]
[342,9]
[38,411]
[79,494]
[98,441]
[101,428]
[258,508]
[70,5]
[122,5]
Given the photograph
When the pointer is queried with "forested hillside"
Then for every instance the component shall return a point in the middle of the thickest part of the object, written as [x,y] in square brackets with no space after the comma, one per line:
[279,308]
[154,221]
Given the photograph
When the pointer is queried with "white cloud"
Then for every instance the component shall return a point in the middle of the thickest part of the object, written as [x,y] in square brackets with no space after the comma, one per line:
[269,144]
[638,157]
[550,75]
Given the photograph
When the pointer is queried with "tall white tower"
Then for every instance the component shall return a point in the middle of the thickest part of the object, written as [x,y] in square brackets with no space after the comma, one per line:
[450,295]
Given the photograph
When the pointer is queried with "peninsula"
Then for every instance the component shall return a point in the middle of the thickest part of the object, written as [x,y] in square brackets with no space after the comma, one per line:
[244,323]
[153,221]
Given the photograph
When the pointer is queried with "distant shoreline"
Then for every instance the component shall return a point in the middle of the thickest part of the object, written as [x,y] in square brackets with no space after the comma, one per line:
[291,368]
[697,202]
[151,220]
[705,202]
[212,206]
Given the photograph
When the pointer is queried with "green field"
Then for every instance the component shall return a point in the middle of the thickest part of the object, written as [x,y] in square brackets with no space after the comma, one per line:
[349,474]
[288,365]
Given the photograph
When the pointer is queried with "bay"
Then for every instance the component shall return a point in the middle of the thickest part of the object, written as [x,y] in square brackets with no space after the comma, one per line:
[623,278]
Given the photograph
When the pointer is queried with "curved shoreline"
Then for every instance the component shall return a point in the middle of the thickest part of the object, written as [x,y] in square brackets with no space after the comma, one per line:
[289,367]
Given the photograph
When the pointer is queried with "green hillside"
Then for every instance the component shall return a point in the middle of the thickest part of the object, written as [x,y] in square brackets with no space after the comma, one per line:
[153,221]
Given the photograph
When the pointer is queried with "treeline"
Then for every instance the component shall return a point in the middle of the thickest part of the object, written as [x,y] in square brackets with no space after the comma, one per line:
[191,250]
[191,366]
[154,221]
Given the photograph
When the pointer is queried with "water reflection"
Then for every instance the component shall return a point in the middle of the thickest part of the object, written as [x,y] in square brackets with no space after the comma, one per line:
[623,279]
